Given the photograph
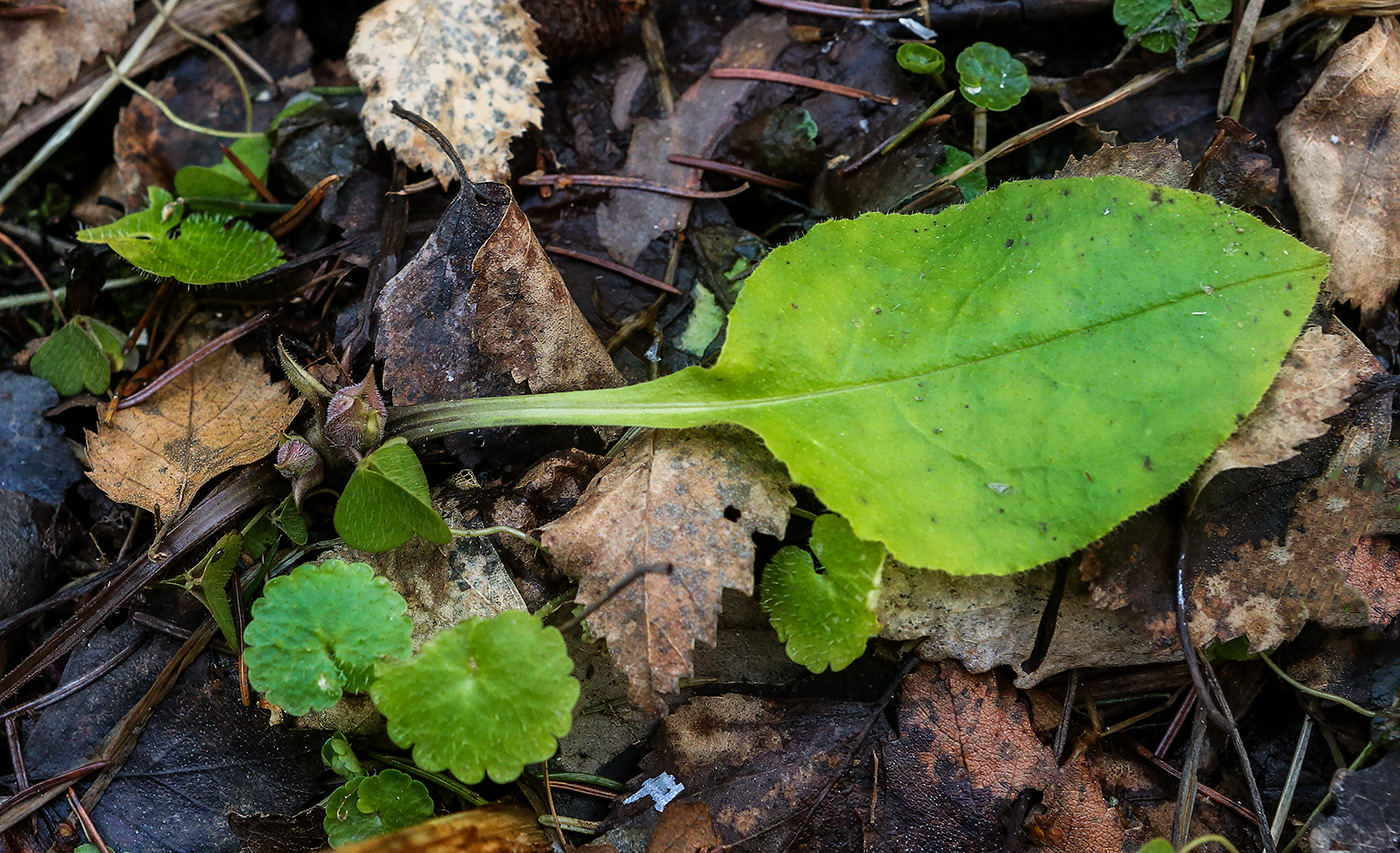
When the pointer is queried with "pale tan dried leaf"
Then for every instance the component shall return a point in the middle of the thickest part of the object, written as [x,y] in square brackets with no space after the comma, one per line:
[1316,379]
[1344,162]
[692,499]
[217,415]
[471,67]
[41,56]
[1372,568]
[1156,161]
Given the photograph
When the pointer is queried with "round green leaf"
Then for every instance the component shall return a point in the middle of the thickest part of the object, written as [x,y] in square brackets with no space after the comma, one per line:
[387,501]
[991,77]
[367,806]
[72,359]
[825,619]
[483,698]
[920,58]
[972,184]
[319,631]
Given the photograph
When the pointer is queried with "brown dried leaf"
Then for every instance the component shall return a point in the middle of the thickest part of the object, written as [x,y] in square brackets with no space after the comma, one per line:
[219,414]
[471,67]
[495,827]
[481,312]
[1317,377]
[1343,161]
[692,499]
[1156,161]
[41,56]
[966,751]
[1372,568]
[685,828]
[1235,168]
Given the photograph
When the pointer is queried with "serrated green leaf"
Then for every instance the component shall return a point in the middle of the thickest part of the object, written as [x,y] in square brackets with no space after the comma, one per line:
[991,77]
[483,698]
[202,248]
[972,184]
[989,388]
[339,756]
[920,58]
[1139,15]
[73,359]
[213,572]
[367,806]
[387,501]
[319,631]
[825,619]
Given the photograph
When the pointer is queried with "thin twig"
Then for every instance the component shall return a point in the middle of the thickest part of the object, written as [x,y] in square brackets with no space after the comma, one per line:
[43,282]
[1186,791]
[831,11]
[170,114]
[249,175]
[192,359]
[621,182]
[632,576]
[193,38]
[765,75]
[1290,785]
[1204,790]
[733,171]
[1303,688]
[608,264]
[1256,800]
[242,56]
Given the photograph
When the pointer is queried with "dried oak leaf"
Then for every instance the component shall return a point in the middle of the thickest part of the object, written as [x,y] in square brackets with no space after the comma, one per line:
[1156,161]
[1235,168]
[471,67]
[481,312]
[1343,161]
[692,499]
[219,414]
[1317,377]
[42,55]
[685,828]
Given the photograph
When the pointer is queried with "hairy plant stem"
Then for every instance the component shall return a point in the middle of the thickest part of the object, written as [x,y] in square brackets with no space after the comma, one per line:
[574,408]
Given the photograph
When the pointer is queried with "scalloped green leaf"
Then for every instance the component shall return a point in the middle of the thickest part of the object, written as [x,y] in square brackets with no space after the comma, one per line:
[78,356]
[387,501]
[367,806]
[319,631]
[920,58]
[202,248]
[825,619]
[485,697]
[991,77]
[1168,23]
[991,387]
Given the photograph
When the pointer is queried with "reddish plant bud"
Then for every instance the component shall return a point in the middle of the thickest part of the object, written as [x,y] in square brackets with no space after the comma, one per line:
[355,418]
[299,462]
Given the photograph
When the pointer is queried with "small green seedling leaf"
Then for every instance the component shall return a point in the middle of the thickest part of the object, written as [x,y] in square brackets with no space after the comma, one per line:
[387,501]
[225,181]
[483,698]
[989,388]
[1157,845]
[920,58]
[213,572]
[290,521]
[825,619]
[203,248]
[367,806]
[318,632]
[972,184]
[340,757]
[991,77]
[1166,25]
[80,355]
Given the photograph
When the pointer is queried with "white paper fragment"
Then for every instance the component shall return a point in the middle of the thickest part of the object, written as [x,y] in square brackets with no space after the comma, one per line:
[662,790]
[915,26]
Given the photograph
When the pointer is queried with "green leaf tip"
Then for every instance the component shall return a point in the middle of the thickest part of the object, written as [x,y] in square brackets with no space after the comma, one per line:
[485,697]
[201,248]
[367,806]
[319,631]
[989,388]
[825,619]
[387,501]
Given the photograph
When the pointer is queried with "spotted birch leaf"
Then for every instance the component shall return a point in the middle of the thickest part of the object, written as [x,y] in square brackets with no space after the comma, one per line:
[825,618]
[989,388]
[202,248]
[318,632]
[483,698]
[367,806]
[387,501]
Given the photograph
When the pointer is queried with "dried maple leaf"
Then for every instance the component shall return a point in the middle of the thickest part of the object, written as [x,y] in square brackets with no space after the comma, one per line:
[219,414]
[690,499]
[1342,164]
[1317,377]
[471,67]
[41,56]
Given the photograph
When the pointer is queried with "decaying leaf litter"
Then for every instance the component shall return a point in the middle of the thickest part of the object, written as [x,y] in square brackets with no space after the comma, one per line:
[1075,667]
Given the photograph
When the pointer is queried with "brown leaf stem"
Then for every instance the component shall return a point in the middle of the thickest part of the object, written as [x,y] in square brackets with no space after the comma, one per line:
[769,76]
[608,264]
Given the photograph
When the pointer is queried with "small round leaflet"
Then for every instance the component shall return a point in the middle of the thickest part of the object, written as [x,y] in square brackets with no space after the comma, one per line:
[367,806]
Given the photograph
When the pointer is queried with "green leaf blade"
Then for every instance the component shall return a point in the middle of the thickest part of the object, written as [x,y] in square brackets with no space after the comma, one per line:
[483,698]
[319,631]
[825,619]
[387,501]
[71,360]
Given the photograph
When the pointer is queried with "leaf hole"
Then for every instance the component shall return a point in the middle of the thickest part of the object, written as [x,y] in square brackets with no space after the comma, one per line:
[732,513]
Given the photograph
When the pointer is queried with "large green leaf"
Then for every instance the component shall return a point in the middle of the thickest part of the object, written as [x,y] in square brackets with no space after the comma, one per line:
[387,501]
[989,388]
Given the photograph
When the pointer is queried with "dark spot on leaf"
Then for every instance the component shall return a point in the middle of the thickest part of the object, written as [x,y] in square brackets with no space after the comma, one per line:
[1287,313]
[1010,243]
[1146,462]
[1029,217]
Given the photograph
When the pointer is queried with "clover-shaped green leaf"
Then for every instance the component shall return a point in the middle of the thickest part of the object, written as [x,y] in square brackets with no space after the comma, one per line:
[825,618]
[387,501]
[485,697]
[340,757]
[80,355]
[920,58]
[1167,22]
[202,248]
[319,631]
[367,806]
[991,77]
